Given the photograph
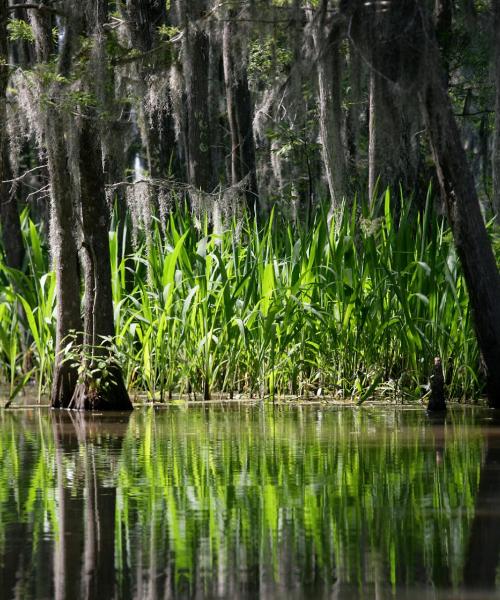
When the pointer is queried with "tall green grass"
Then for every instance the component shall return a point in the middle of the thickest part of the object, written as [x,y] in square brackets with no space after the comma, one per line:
[353,308]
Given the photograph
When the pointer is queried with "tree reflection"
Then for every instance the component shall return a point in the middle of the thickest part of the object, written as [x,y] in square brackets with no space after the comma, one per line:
[84,544]
[483,551]
[181,504]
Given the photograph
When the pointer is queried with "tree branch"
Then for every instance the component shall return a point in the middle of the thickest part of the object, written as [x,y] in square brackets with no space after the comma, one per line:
[39,7]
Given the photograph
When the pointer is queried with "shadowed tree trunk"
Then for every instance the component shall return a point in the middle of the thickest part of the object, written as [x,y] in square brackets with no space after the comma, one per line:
[390,160]
[465,218]
[65,259]
[9,214]
[496,133]
[414,63]
[110,393]
[63,243]
[239,111]
[195,65]
[102,385]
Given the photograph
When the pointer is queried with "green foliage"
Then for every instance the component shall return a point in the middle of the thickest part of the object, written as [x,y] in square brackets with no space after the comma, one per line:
[19,29]
[355,308]
[268,57]
[96,365]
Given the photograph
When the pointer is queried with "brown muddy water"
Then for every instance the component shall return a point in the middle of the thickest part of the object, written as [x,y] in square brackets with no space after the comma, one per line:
[246,501]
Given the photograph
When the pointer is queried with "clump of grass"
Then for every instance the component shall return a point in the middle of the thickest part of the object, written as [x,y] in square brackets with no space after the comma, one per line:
[355,308]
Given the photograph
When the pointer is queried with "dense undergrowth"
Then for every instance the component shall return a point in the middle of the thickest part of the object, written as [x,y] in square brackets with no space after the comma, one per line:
[355,309]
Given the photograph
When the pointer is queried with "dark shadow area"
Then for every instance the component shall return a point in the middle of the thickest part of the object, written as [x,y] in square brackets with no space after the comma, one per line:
[483,551]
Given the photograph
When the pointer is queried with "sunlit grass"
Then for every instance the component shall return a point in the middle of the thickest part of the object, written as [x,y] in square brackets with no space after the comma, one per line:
[355,308]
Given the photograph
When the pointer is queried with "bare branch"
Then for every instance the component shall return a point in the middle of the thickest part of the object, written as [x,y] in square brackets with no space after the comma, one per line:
[39,7]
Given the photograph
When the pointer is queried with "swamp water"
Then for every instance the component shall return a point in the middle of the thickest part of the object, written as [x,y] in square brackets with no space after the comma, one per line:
[249,502]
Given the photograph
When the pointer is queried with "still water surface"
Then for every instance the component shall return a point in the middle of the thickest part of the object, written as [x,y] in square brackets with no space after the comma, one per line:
[249,502]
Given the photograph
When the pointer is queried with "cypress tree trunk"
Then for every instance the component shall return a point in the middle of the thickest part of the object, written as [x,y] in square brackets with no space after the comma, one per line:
[496,134]
[239,112]
[106,389]
[329,76]
[465,218]
[9,214]
[195,63]
[64,257]
[63,243]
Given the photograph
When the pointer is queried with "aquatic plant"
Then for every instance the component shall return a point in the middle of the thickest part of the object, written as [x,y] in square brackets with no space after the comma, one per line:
[357,307]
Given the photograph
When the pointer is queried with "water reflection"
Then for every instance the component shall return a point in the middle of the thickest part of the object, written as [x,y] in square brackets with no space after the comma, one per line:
[248,502]
[483,551]
[86,545]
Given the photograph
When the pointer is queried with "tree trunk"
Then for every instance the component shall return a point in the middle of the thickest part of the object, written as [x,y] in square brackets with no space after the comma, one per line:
[328,67]
[63,243]
[195,63]
[354,111]
[143,19]
[496,134]
[110,393]
[9,214]
[64,257]
[239,112]
[465,218]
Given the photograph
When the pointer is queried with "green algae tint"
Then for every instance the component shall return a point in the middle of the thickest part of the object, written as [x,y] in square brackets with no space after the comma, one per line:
[249,502]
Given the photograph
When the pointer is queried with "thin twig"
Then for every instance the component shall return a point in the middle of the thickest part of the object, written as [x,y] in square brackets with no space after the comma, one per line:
[25,174]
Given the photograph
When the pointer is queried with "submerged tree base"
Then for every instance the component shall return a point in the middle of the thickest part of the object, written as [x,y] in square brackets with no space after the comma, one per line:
[112,395]
[63,386]
[437,400]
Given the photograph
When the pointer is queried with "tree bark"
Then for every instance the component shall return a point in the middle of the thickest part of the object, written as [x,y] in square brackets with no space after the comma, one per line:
[239,113]
[64,257]
[326,41]
[496,133]
[465,218]
[195,64]
[63,244]
[12,239]
[110,393]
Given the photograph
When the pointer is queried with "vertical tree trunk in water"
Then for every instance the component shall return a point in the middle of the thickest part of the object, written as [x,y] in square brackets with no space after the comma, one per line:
[465,218]
[9,214]
[64,256]
[63,245]
[111,394]
[196,61]
[496,134]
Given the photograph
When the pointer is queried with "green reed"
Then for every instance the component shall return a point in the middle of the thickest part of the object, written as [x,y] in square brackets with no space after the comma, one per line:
[357,307]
